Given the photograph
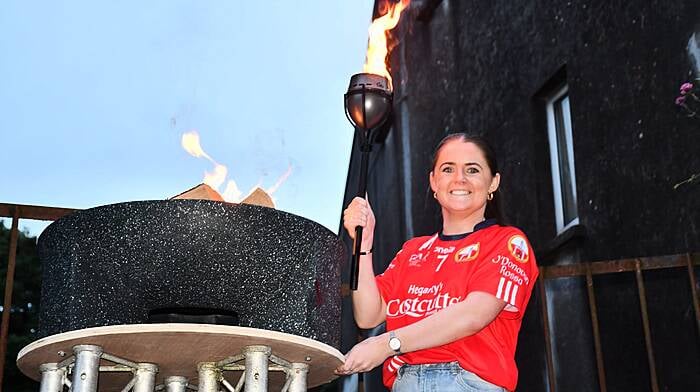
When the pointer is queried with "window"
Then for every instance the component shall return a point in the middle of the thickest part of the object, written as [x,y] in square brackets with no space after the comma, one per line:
[561,152]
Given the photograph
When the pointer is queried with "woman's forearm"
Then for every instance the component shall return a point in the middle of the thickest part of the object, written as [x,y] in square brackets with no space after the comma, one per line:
[367,303]
[455,322]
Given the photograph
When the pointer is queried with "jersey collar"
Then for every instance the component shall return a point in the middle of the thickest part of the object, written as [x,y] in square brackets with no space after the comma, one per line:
[453,237]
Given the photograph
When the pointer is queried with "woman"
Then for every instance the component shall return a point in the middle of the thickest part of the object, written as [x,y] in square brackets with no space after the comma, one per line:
[453,302]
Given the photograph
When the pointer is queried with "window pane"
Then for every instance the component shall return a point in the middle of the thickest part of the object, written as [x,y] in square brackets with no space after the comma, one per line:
[568,193]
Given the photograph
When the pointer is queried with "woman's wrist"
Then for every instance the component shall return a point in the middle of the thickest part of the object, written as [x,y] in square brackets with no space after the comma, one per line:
[367,246]
[386,347]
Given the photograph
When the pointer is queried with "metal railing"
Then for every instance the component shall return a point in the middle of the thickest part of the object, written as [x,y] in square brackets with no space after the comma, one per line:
[636,265]
[588,269]
[17,212]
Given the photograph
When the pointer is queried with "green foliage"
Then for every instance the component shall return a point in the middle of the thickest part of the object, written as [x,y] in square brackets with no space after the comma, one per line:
[24,314]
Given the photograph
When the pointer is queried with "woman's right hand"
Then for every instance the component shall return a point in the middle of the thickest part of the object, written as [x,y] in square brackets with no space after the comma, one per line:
[359,213]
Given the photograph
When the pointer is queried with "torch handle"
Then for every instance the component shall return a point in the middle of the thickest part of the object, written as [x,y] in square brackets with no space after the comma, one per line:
[355,270]
[355,265]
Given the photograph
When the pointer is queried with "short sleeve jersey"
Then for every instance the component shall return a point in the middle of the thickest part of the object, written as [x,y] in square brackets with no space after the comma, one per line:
[431,273]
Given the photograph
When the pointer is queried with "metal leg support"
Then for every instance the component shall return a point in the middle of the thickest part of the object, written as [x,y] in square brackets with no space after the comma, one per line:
[145,377]
[256,366]
[87,366]
[51,377]
[208,377]
[298,374]
[175,384]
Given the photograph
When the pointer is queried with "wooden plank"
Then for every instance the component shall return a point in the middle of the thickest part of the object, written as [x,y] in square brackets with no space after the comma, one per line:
[202,192]
[34,212]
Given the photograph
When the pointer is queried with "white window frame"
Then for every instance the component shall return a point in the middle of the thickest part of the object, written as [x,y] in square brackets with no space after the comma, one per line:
[554,151]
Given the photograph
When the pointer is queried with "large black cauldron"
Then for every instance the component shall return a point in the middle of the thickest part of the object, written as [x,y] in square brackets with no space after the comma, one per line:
[124,263]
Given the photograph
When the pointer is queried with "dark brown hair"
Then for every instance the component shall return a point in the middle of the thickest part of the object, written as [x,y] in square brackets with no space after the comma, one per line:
[493,206]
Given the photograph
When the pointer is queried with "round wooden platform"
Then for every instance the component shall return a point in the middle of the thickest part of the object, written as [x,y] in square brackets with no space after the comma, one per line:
[177,348]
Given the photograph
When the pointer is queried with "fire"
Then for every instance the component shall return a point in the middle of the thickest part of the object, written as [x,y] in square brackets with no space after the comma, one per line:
[190,142]
[377,48]
[280,181]
[216,178]
[232,192]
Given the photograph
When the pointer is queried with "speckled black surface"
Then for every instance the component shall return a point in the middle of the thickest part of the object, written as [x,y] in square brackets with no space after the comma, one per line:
[110,265]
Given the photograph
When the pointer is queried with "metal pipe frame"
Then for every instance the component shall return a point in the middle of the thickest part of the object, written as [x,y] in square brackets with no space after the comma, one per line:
[52,377]
[280,361]
[130,385]
[176,384]
[240,383]
[120,361]
[298,377]
[145,377]
[228,385]
[230,360]
[296,372]
[270,368]
[256,367]
[67,362]
[86,370]
[209,376]
[116,368]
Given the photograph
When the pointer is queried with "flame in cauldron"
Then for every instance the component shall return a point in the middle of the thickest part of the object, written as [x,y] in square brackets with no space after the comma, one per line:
[215,179]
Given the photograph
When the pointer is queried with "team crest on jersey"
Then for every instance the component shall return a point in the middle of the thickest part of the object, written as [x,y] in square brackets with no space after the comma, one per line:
[518,248]
[467,253]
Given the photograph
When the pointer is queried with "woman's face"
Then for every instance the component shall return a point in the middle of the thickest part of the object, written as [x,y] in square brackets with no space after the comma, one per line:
[461,178]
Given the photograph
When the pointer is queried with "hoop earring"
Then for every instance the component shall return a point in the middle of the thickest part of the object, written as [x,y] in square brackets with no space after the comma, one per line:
[435,195]
[490,196]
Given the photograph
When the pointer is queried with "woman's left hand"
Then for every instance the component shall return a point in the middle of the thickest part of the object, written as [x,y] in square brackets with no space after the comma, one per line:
[366,355]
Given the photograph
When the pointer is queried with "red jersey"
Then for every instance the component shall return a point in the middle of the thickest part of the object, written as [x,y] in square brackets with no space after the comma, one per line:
[431,273]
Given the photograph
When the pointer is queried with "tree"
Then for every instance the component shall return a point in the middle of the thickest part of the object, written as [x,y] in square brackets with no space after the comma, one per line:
[24,313]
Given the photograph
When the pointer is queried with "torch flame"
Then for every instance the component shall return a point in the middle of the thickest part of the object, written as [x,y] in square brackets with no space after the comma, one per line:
[377,48]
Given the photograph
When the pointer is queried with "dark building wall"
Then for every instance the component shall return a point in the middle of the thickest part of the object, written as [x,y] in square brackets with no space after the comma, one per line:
[485,67]
[481,66]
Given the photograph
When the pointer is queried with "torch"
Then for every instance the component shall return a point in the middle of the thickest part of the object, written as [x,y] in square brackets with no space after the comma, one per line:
[367,106]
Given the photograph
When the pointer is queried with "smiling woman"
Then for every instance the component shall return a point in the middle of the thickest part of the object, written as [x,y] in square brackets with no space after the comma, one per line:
[453,301]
